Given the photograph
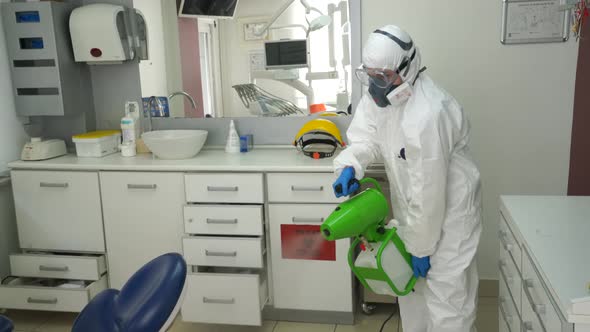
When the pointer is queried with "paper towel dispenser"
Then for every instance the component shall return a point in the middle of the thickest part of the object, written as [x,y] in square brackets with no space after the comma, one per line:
[108,34]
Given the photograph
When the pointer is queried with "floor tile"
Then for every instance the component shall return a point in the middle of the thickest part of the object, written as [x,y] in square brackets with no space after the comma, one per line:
[61,322]
[369,326]
[180,326]
[487,321]
[381,312]
[28,320]
[307,327]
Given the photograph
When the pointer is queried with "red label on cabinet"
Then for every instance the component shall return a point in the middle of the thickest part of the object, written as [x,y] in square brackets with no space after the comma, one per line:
[306,242]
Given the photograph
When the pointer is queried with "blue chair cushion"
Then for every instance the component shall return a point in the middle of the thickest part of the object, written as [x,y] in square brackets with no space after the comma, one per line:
[144,303]
[5,324]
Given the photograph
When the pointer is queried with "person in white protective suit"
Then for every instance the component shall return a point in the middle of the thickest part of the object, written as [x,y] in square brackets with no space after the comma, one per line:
[421,134]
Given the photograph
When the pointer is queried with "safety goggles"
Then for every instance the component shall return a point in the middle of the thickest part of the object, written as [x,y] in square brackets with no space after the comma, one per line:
[381,78]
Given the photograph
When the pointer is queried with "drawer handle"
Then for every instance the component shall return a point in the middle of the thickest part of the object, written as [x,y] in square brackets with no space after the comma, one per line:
[53,268]
[53,185]
[221,253]
[210,188]
[222,221]
[527,326]
[219,301]
[539,309]
[503,310]
[302,188]
[506,245]
[297,220]
[42,301]
[142,186]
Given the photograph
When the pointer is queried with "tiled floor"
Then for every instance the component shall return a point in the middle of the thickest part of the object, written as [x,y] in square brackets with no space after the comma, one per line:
[37,321]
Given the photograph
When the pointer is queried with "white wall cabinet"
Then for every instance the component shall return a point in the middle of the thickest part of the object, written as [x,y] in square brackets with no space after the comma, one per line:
[58,211]
[142,219]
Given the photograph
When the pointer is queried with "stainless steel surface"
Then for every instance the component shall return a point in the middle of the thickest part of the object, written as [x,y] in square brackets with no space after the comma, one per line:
[42,301]
[53,185]
[53,268]
[219,301]
[222,221]
[221,253]
[142,186]
[211,188]
[186,95]
[297,220]
[303,188]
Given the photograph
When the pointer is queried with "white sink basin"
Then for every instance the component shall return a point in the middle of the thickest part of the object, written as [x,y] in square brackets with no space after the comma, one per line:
[175,144]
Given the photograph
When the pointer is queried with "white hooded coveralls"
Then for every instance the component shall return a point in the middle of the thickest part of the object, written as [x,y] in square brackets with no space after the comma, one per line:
[435,189]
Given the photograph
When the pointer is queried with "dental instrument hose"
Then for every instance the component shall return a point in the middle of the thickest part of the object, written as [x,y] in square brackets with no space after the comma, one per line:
[389,318]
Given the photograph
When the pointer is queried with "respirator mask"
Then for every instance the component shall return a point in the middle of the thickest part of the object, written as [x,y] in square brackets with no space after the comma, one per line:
[382,87]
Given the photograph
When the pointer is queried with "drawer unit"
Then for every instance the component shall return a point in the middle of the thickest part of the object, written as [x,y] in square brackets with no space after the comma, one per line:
[58,266]
[58,211]
[507,308]
[508,242]
[303,284]
[510,275]
[223,251]
[226,299]
[224,188]
[223,220]
[44,294]
[301,188]
[535,293]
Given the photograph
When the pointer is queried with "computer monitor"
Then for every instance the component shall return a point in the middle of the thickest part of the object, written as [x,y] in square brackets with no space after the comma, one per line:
[286,54]
[207,8]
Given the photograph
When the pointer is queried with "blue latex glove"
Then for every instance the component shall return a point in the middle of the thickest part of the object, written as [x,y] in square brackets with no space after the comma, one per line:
[420,266]
[346,183]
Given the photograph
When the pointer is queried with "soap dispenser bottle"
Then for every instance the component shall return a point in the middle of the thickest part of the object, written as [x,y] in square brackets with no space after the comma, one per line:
[232,145]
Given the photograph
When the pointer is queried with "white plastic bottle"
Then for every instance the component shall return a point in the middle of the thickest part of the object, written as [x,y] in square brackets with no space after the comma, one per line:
[232,145]
[130,129]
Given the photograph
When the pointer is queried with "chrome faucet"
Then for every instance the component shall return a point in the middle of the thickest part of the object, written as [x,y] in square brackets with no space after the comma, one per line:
[149,111]
[186,95]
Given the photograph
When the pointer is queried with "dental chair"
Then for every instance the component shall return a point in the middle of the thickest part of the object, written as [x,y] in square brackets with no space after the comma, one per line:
[148,302]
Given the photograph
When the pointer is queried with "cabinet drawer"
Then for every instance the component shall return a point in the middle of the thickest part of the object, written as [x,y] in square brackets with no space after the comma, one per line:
[58,266]
[225,298]
[301,188]
[58,211]
[45,294]
[537,296]
[294,287]
[507,308]
[508,242]
[223,251]
[223,220]
[224,188]
[510,275]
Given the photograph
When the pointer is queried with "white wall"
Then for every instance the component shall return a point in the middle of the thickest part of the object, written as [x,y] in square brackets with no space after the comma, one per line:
[519,98]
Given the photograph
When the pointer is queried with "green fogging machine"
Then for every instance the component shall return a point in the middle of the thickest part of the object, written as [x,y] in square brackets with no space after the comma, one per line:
[383,264]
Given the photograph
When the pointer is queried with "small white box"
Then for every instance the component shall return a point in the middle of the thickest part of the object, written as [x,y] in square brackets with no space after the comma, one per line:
[97,143]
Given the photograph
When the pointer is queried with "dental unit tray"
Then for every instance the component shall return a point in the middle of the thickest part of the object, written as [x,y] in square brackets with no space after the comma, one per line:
[266,103]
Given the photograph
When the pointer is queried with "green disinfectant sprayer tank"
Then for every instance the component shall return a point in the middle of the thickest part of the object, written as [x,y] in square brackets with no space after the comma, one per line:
[383,264]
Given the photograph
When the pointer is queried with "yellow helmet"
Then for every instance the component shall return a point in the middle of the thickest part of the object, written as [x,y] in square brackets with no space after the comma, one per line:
[321,127]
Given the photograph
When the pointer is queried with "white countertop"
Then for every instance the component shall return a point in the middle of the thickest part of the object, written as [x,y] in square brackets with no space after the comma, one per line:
[556,230]
[257,160]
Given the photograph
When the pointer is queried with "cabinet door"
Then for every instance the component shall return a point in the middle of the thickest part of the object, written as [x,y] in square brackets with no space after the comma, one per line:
[58,210]
[322,282]
[142,217]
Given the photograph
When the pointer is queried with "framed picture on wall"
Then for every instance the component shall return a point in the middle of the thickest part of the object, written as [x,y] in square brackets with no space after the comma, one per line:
[534,21]
[251,26]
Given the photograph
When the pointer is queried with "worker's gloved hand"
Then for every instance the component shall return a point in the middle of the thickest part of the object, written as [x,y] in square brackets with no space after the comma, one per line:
[346,184]
[421,265]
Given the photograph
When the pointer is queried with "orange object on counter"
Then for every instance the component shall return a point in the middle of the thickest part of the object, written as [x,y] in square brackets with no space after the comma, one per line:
[317,108]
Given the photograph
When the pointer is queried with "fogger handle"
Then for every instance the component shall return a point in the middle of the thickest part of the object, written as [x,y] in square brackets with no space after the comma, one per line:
[339,188]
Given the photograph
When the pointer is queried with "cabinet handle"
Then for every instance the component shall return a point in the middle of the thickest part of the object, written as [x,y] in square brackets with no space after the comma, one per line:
[539,309]
[506,245]
[210,188]
[53,185]
[53,268]
[221,253]
[297,220]
[42,301]
[219,301]
[142,186]
[503,310]
[222,221]
[302,188]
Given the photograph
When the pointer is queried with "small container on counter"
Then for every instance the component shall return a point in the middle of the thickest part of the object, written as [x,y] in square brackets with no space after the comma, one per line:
[97,143]
[246,143]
